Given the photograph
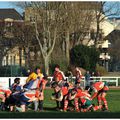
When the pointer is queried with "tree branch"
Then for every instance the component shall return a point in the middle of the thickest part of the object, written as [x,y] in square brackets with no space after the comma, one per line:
[37,36]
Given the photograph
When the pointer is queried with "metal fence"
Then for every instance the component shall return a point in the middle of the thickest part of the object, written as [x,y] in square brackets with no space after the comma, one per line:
[112,81]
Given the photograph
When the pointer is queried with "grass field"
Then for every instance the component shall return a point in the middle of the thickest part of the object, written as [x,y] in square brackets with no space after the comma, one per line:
[113,98]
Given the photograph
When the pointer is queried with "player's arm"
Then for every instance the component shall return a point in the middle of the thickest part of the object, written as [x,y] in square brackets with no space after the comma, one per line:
[28,79]
[71,97]
[57,99]
[95,93]
[60,98]
[44,84]
[63,75]
[32,76]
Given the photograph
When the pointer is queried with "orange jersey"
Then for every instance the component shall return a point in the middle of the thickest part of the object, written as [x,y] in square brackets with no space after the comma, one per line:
[78,93]
[40,94]
[44,82]
[2,91]
[59,75]
[64,91]
[98,86]
[7,92]
[83,94]
[106,88]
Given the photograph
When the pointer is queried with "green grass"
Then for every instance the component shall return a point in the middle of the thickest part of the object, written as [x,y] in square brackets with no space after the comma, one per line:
[113,98]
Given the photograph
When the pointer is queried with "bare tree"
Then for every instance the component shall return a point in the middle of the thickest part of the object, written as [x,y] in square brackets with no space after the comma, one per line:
[105,10]
[76,20]
[52,19]
[47,23]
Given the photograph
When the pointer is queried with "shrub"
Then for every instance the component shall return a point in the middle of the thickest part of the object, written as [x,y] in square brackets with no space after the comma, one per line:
[101,70]
[84,56]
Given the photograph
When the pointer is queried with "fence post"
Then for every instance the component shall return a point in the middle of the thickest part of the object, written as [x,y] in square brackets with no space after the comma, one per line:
[9,82]
[117,82]
[101,79]
[84,82]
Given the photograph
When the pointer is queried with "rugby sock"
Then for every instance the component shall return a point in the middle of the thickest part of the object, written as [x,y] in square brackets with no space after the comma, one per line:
[41,104]
[35,105]
[19,109]
[76,105]
[65,105]
[99,100]
[105,102]
[96,108]
[57,102]
[2,105]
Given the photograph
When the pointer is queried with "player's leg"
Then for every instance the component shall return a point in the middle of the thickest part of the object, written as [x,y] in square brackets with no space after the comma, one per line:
[65,104]
[76,104]
[2,97]
[36,104]
[99,99]
[104,100]
[95,108]
[23,107]
[41,105]
[24,99]
[87,105]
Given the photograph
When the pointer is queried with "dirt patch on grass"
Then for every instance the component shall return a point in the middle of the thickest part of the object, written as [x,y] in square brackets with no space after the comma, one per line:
[114,87]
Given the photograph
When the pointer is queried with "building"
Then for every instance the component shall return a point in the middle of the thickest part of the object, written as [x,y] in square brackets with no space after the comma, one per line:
[8,18]
[104,43]
[114,38]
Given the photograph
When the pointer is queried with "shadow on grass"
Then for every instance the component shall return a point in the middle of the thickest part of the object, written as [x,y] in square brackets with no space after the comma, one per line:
[50,109]
[31,114]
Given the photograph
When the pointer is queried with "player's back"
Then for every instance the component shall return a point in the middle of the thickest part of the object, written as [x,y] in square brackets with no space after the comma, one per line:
[98,85]
[85,95]
[64,91]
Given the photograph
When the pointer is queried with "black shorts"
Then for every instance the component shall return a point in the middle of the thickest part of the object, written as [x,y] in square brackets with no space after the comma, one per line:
[101,91]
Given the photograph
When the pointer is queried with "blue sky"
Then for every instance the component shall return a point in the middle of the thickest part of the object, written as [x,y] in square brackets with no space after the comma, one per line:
[5,4]
[9,5]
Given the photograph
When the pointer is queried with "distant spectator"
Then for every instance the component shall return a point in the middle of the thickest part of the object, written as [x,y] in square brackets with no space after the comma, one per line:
[87,78]
[92,75]
[69,75]
[78,76]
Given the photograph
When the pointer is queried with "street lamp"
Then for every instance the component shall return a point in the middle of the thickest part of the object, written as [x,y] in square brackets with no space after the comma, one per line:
[11,65]
[104,55]
[105,58]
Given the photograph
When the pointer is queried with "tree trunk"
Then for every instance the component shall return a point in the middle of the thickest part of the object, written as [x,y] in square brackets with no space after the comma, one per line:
[0,62]
[20,56]
[67,39]
[46,64]
[97,34]
[26,58]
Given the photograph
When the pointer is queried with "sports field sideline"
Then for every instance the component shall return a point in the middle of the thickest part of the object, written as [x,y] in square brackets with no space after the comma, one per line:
[113,98]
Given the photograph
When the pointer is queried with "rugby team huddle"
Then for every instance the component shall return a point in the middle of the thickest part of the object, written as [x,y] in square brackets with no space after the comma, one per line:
[68,96]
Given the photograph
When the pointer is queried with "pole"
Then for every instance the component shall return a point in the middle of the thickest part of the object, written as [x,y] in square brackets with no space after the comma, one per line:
[11,65]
